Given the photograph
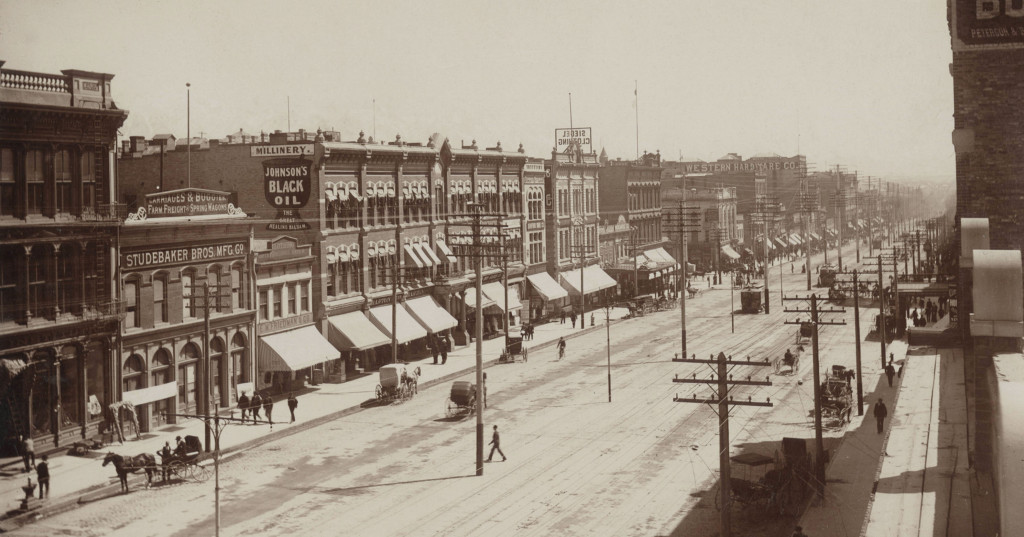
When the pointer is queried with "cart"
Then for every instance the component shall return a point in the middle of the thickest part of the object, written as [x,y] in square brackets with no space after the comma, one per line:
[461,399]
[837,396]
[752,489]
[514,349]
[185,465]
[827,275]
[789,364]
[397,383]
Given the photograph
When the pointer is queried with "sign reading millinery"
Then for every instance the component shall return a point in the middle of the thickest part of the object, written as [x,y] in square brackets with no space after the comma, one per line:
[187,202]
[287,184]
[290,150]
[135,259]
[580,136]
[987,24]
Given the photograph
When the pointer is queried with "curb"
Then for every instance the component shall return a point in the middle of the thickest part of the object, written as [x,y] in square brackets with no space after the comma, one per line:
[13,522]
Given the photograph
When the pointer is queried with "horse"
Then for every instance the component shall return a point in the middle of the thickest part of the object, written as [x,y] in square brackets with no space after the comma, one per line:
[130,465]
[692,291]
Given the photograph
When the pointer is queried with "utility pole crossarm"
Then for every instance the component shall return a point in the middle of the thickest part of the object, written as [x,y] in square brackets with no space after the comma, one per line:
[732,402]
[732,382]
[748,361]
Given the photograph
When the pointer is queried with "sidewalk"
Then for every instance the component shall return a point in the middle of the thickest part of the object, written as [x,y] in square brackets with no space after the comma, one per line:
[75,477]
[913,478]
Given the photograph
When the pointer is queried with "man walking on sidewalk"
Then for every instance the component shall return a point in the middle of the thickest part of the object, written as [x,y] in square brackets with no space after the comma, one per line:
[43,474]
[28,452]
[254,406]
[496,442]
[880,413]
[268,408]
[890,372]
[292,403]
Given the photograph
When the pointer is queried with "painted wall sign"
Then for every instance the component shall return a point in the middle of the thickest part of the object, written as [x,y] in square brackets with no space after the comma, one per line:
[580,135]
[290,150]
[188,202]
[987,24]
[182,255]
[287,182]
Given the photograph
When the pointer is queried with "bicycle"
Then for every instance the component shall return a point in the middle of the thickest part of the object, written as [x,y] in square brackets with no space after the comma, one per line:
[561,352]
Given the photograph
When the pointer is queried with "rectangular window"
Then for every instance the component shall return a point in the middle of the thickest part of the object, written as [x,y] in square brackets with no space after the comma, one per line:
[332,277]
[34,183]
[62,178]
[131,303]
[293,289]
[159,300]
[278,291]
[88,182]
[264,307]
[188,309]
[303,296]
[8,199]
[236,288]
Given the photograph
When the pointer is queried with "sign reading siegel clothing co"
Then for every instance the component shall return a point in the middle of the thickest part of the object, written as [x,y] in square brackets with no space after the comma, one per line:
[182,255]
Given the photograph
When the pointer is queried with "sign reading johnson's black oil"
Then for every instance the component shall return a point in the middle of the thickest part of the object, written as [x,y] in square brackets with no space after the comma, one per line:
[287,184]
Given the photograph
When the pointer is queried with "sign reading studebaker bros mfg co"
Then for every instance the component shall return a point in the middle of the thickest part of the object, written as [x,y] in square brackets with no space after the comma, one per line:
[136,259]
[287,182]
[987,24]
[187,202]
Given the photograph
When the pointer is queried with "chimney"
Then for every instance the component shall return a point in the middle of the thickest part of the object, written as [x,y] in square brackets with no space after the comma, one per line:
[138,143]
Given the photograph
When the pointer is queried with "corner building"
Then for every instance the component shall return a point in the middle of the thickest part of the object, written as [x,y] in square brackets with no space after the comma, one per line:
[59,308]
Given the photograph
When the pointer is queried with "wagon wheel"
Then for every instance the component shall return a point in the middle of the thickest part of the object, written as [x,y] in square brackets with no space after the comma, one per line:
[380,392]
[200,473]
[450,408]
[178,469]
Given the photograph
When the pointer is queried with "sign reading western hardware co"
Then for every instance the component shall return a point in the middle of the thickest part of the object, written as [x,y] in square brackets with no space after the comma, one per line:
[182,255]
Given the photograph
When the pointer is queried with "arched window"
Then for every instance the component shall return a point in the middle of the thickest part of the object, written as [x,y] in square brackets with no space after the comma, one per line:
[217,362]
[188,306]
[160,298]
[62,178]
[131,302]
[132,373]
[187,370]
[162,374]
[237,288]
[239,361]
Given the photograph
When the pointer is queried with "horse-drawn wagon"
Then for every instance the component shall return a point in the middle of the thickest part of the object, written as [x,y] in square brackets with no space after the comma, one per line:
[837,396]
[397,382]
[182,463]
[514,349]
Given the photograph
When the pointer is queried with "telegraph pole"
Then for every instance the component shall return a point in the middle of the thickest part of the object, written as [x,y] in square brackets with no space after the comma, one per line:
[210,293]
[856,332]
[808,205]
[767,209]
[720,382]
[687,220]
[816,321]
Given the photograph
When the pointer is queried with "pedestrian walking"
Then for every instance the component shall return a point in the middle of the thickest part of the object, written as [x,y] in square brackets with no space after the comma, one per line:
[446,345]
[254,406]
[43,474]
[890,372]
[880,413]
[292,404]
[572,317]
[243,405]
[268,408]
[496,443]
[561,348]
[28,452]
[433,343]
[563,317]
[591,318]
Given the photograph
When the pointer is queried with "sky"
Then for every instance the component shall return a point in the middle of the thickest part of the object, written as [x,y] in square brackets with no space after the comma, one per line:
[864,84]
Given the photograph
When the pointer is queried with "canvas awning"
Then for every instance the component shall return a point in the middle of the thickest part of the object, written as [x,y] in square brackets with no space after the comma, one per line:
[354,332]
[547,286]
[727,250]
[795,239]
[407,328]
[471,299]
[815,236]
[594,279]
[294,350]
[153,393]
[445,251]
[430,314]
[660,255]
[496,292]
[411,257]
[427,253]
[781,242]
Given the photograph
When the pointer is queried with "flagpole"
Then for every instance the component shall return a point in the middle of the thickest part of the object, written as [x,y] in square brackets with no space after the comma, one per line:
[636,99]
[570,114]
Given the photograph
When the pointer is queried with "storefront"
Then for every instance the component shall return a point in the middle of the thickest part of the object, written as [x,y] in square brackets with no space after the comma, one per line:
[548,297]
[290,357]
[356,337]
[589,283]
[408,333]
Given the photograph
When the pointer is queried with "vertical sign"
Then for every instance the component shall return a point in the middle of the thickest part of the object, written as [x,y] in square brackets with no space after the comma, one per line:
[954,316]
[987,24]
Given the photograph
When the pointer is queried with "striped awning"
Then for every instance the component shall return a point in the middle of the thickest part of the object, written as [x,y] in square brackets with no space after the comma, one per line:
[294,350]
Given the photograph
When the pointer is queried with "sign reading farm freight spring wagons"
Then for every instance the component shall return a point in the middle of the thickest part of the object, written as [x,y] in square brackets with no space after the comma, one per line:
[187,202]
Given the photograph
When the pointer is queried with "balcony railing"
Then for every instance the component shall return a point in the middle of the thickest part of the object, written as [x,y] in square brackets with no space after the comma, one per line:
[11,78]
[114,309]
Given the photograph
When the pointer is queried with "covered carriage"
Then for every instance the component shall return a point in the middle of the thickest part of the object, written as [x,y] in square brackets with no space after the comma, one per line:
[461,399]
[397,382]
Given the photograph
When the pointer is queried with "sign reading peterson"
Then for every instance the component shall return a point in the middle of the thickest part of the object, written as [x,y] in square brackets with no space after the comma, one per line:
[987,24]
[287,182]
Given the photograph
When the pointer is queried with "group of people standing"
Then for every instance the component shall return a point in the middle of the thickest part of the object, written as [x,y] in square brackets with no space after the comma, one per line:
[928,311]
[439,345]
[250,407]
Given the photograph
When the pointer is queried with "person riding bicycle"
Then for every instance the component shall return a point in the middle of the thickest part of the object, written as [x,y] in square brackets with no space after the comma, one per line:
[561,348]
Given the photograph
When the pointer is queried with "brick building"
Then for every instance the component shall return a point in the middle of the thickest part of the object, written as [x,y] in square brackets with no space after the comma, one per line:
[58,231]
